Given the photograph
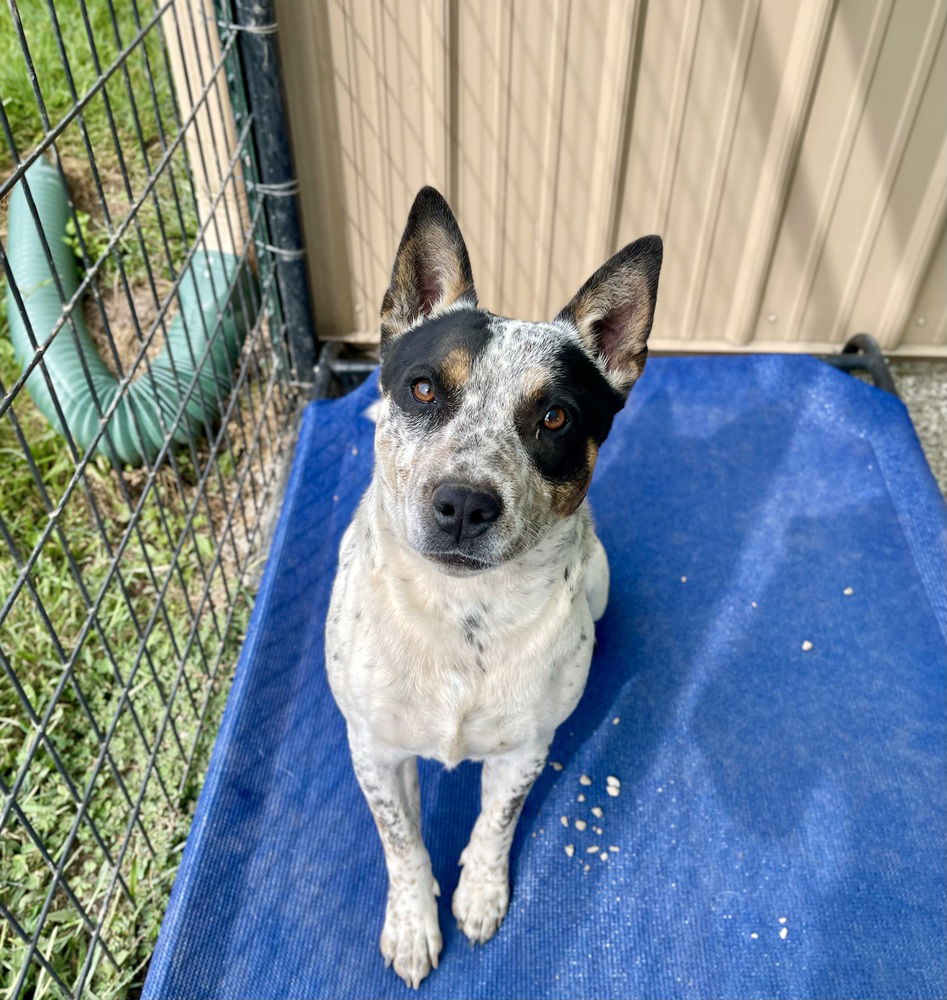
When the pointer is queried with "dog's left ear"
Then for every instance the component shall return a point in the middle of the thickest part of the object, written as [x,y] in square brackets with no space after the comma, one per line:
[614,309]
[432,269]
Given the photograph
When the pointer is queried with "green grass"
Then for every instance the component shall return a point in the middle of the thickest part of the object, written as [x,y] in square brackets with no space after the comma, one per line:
[130,919]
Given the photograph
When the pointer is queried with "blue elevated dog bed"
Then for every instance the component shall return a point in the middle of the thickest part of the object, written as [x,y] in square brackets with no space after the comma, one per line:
[768,685]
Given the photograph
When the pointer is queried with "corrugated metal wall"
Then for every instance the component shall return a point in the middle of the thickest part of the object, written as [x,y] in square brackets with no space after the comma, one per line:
[793,156]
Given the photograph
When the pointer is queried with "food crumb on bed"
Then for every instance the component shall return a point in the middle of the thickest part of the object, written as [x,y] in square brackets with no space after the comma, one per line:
[806,646]
[564,820]
[593,849]
[354,451]
[752,604]
[616,720]
[555,765]
[586,868]
[570,850]
[848,591]
[683,579]
[597,812]
[754,935]
[580,824]
[782,920]
[597,830]
[580,797]
[612,786]
[783,933]
[613,848]
[585,780]
[604,856]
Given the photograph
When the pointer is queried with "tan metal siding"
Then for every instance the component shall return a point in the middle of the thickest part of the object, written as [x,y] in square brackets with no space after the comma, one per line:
[793,156]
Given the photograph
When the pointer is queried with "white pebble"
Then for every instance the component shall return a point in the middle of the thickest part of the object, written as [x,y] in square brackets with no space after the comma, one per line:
[580,824]
[613,790]
[597,812]
[564,820]
[784,933]
[848,591]
[570,850]
[580,797]
[604,855]
[585,780]
[616,720]
[555,765]
[806,646]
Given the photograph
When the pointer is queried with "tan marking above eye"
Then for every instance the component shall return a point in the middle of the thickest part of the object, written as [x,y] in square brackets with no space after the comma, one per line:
[422,390]
[555,418]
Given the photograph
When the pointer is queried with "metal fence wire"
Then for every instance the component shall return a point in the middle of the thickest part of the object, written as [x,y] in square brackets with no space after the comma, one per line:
[154,350]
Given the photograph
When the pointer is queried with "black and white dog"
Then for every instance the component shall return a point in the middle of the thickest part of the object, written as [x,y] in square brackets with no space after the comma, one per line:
[461,621]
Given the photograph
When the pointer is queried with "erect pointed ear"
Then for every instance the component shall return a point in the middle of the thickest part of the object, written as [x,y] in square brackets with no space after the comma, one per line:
[432,269]
[614,309]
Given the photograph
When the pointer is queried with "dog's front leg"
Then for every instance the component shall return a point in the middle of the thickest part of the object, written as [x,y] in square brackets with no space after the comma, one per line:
[483,892]
[411,937]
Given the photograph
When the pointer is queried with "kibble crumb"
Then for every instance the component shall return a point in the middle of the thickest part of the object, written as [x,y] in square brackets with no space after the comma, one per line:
[597,830]
[612,780]
[355,451]
[586,869]
[613,790]
[782,920]
[752,604]
[570,850]
[585,780]
[564,820]
[754,935]
[555,765]
[592,850]
[848,591]
[580,797]
[806,646]
[604,856]
[597,812]
[580,824]
[616,720]
[784,933]
[613,848]
[683,579]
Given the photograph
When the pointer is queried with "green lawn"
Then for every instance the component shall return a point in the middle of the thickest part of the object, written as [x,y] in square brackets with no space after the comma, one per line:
[43,631]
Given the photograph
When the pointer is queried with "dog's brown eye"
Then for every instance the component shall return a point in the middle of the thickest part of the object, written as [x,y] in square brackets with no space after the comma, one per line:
[555,418]
[422,390]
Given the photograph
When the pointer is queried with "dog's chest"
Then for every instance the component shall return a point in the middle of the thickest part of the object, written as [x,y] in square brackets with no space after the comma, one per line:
[459,686]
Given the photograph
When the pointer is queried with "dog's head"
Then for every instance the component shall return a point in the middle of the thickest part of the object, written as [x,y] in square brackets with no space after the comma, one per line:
[490,427]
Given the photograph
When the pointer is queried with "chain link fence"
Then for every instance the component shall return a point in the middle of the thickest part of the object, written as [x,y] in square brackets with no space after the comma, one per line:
[154,350]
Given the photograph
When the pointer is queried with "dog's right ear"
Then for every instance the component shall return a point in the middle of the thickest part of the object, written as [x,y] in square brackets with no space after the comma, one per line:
[432,269]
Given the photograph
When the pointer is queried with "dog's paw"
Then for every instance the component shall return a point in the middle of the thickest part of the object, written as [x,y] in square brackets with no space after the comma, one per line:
[480,902]
[411,937]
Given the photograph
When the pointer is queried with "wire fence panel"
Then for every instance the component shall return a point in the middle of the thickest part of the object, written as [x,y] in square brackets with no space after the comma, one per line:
[149,387]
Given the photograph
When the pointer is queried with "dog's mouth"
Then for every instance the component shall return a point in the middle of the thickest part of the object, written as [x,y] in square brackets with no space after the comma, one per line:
[460,562]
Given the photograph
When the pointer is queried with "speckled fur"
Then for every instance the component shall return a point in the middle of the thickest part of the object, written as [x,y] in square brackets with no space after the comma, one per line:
[451,664]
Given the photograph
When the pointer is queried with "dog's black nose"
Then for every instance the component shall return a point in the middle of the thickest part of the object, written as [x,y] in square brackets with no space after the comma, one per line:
[465,511]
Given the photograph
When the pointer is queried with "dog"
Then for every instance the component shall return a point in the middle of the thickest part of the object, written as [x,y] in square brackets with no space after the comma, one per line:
[461,619]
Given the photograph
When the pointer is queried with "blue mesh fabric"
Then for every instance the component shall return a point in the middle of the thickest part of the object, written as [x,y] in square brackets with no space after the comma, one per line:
[781,822]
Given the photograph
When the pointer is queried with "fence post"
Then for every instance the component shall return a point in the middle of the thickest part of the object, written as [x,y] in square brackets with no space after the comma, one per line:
[255,21]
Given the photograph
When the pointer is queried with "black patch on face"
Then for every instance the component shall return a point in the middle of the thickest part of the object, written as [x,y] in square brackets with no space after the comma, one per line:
[423,353]
[591,404]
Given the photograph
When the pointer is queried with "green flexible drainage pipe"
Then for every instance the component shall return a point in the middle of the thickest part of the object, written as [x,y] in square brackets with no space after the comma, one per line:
[135,427]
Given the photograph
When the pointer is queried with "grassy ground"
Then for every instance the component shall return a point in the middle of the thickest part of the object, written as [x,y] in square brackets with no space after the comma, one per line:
[45,638]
